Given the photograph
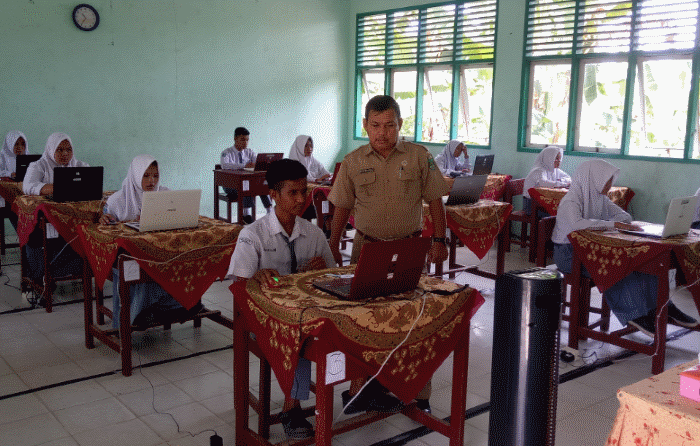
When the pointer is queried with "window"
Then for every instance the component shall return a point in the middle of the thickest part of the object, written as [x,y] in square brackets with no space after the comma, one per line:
[437,62]
[613,77]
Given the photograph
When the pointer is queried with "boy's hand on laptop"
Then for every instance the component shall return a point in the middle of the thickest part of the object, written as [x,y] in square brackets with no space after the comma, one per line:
[107,219]
[627,226]
[267,277]
[314,264]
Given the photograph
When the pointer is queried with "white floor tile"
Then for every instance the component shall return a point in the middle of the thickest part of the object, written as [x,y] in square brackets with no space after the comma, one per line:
[132,432]
[31,430]
[93,415]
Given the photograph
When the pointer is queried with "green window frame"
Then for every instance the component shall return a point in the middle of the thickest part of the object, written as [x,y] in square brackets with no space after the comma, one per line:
[446,51]
[612,78]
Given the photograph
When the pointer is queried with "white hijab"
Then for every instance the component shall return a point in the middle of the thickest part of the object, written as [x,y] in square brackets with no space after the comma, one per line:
[47,163]
[125,204]
[587,183]
[545,160]
[297,151]
[8,162]
[448,154]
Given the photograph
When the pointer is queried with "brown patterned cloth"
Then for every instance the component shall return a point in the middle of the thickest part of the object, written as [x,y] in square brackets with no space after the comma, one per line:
[653,413]
[494,187]
[185,262]
[476,225]
[365,331]
[9,190]
[65,217]
[611,255]
[549,198]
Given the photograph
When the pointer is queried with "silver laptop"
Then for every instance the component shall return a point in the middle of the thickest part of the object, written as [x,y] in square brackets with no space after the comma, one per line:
[466,190]
[678,220]
[168,209]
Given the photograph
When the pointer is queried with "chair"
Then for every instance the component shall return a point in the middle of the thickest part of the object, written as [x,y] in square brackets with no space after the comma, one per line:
[324,215]
[5,213]
[221,196]
[513,188]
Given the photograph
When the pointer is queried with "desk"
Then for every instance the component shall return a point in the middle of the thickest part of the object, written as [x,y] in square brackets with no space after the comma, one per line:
[611,255]
[653,413]
[297,314]
[476,226]
[494,187]
[184,262]
[248,184]
[548,198]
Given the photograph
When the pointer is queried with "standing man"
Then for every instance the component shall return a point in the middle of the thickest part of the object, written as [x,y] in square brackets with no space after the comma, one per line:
[237,157]
[385,182]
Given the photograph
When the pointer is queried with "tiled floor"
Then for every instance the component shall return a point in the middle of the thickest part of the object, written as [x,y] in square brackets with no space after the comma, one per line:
[54,391]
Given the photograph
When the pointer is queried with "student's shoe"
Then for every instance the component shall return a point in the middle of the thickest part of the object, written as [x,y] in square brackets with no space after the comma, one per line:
[645,324]
[295,425]
[677,317]
[379,401]
[424,405]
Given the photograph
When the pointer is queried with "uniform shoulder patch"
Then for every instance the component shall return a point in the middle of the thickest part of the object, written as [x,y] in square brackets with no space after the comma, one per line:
[431,162]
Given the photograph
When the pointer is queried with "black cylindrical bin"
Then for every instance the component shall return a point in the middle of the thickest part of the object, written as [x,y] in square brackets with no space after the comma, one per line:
[525,361]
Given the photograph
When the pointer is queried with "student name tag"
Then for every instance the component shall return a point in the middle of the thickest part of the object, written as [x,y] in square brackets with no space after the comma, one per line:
[246,185]
[324,207]
[335,367]
[51,232]
[131,270]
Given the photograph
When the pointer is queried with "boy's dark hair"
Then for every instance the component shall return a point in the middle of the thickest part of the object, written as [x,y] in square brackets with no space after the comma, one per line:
[381,103]
[240,131]
[283,170]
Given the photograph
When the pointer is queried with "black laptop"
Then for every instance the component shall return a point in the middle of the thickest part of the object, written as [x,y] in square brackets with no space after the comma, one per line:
[23,162]
[466,190]
[77,184]
[483,164]
[263,161]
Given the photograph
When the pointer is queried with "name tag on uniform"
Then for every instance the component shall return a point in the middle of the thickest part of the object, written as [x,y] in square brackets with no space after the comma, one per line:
[368,170]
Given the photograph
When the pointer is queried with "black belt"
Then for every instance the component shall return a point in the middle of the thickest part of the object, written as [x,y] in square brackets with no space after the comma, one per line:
[371,239]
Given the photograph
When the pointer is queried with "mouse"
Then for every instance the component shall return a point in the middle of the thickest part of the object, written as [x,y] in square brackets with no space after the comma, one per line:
[567,356]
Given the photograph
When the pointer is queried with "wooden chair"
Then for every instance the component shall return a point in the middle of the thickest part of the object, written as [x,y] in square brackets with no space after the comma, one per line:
[514,188]
[221,196]
[5,214]
[324,215]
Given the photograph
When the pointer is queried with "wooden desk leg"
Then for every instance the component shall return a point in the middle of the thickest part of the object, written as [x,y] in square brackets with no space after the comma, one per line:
[264,398]
[459,390]
[48,281]
[87,304]
[216,202]
[239,208]
[574,310]
[324,405]
[124,322]
[452,256]
[659,358]
[241,379]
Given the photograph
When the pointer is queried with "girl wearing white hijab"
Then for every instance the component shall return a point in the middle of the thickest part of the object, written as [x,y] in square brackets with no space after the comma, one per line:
[696,220]
[587,206]
[545,173]
[58,153]
[15,143]
[448,160]
[301,150]
[150,303]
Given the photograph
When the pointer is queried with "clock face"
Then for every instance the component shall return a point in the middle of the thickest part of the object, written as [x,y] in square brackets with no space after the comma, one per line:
[85,17]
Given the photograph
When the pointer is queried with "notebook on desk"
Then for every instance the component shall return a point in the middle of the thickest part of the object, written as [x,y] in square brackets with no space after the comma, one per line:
[466,190]
[678,220]
[383,268]
[77,184]
[168,209]
[483,165]
[22,163]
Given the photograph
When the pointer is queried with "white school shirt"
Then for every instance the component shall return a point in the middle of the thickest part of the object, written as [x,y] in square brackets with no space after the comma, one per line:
[261,245]
[231,160]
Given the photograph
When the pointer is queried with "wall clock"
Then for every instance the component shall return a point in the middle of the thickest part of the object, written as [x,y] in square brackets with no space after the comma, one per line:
[85,17]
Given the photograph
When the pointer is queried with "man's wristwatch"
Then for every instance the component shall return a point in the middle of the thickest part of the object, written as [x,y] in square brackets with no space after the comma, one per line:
[442,240]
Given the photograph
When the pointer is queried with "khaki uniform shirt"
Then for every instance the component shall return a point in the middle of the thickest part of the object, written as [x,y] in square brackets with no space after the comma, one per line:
[386,195]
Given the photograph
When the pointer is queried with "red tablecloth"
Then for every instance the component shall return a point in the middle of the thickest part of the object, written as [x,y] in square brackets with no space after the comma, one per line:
[184,262]
[494,187]
[549,198]
[9,190]
[476,225]
[283,318]
[611,255]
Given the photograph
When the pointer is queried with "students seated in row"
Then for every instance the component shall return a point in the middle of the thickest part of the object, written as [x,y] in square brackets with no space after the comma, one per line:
[15,143]
[545,173]
[239,156]
[587,206]
[301,151]
[39,181]
[150,304]
[278,244]
[448,161]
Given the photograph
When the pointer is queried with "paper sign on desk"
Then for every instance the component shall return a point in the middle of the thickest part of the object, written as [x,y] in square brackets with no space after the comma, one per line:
[51,232]
[335,367]
[690,383]
[246,185]
[324,207]
[131,270]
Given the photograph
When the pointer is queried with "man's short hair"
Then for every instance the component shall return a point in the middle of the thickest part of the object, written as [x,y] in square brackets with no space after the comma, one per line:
[240,131]
[283,170]
[381,103]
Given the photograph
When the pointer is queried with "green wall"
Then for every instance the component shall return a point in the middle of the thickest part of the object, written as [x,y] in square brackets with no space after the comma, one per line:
[654,183]
[174,78]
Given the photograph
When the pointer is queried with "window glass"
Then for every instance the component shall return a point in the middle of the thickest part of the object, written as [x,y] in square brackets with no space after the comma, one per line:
[475,86]
[437,104]
[403,89]
[549,104]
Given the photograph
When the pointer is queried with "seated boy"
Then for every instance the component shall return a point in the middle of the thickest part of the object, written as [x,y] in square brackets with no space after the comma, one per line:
[278,244]
[239,156]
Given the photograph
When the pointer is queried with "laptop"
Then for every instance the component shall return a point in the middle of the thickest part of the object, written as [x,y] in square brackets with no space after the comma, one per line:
[483,165]
[263,160]
[77,184]
[23,162]
[383,268]
[168,209]
[335,175]
[466,190]
[680,216]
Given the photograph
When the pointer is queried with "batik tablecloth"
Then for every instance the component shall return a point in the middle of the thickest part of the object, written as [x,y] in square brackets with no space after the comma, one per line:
[9,190]
[611,255]
[653,413]
[365,331]
[185,262]
[494,187]
[549,198]
[476,225]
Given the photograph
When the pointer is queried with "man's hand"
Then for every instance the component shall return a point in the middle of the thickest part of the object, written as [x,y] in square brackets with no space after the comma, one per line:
[267,277]
[314,264]
[627,226]
[337,256]
[437,253]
